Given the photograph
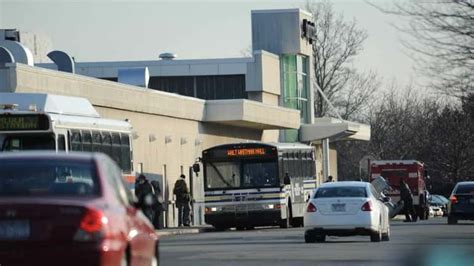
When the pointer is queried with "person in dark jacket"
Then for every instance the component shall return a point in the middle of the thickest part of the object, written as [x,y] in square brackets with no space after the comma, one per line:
[146,196]
[407,198]
[182,201]
[330,179]
[158,206]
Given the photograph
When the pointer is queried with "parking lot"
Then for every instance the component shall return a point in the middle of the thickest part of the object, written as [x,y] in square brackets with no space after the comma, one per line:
[430,242]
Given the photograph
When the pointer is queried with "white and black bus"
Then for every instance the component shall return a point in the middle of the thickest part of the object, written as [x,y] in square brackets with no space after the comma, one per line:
[245,184]
[33,121]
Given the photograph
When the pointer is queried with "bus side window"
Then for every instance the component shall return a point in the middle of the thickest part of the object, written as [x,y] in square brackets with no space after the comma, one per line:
[106,146]
[291,165]
[96,141]
[76,143]
[298,164]
[125,154]
[87,140]
[313,166]
[281,171]
[61,142]
[116,150]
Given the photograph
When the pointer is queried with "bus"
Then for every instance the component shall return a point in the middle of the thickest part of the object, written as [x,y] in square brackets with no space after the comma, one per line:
[245,184]
[35,121]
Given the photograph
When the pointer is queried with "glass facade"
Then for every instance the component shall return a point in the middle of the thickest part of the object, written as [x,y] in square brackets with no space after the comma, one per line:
[203,87]
[294,71]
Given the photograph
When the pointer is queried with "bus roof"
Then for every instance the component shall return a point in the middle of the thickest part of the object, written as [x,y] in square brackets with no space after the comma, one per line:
[92,123]
[50,103]
[278,145]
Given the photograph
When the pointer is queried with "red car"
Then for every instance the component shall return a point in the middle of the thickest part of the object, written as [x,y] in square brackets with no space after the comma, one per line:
[70,209]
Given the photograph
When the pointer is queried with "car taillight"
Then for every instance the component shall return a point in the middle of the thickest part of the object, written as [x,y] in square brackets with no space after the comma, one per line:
[92,221]
[367,207]
[453,199]
[91,226]
[311,208]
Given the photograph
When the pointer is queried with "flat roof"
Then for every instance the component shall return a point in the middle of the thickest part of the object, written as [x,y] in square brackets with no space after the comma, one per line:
[285,10]
[334,129]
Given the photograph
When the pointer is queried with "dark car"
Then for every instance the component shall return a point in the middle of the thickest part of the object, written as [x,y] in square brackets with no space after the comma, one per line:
[70,209]
[461,205]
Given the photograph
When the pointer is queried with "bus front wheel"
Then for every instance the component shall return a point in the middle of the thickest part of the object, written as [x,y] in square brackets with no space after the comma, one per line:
[285,222]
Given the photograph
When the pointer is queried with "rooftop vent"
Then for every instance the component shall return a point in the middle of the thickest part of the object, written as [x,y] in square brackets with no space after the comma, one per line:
[168,56]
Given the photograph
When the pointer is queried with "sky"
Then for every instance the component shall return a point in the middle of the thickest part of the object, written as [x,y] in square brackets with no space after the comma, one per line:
[109,30]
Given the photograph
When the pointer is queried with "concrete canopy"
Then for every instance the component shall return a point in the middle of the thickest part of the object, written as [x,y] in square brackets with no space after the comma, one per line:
[251,114]
[335,130]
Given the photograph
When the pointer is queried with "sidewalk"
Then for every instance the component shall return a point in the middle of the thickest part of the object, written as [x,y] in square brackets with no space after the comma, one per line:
[184,230]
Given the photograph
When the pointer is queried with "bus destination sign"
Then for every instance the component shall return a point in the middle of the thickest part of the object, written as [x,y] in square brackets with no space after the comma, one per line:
[23,122]
[246,152]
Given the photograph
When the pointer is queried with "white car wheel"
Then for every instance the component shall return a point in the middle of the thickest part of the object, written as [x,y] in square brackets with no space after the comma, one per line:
[386,235]
[377,236]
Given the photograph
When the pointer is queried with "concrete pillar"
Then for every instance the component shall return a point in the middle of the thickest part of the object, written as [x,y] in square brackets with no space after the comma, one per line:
[325,159]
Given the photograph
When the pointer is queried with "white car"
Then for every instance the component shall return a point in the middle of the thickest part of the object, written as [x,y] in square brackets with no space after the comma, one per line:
[436,211]
[345,209]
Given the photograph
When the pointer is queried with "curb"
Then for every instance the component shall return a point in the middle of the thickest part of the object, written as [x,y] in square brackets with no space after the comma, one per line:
[181,231]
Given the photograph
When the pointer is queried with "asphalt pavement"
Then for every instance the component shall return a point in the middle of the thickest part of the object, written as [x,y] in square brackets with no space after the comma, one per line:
[431,242]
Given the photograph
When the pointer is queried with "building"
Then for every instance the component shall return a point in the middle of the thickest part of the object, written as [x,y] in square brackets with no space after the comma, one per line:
[180,107]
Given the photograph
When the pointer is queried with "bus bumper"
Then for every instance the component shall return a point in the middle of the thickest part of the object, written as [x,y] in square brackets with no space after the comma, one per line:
[248,218]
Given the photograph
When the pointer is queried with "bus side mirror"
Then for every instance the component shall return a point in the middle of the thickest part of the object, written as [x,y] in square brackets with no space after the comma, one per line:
[196,168]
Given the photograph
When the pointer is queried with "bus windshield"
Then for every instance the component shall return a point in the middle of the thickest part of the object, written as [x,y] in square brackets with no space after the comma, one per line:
[28,142]
[260,174]
[227,175]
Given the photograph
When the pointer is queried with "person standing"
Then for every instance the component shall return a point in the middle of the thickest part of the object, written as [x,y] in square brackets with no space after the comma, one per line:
[286,179]
[407,198]
[146,196]
[158,206]
[182,200]
[330,179]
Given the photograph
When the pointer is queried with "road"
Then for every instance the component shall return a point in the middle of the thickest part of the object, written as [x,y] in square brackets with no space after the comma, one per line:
[433,240]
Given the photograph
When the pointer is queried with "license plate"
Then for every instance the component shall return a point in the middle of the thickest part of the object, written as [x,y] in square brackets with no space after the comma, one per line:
[339,207]
[14,230]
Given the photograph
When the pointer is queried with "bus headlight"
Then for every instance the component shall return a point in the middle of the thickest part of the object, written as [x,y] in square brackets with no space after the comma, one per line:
[212,209]
[272,206]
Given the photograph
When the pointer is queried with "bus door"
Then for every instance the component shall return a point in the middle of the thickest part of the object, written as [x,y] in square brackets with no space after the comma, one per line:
[297,196]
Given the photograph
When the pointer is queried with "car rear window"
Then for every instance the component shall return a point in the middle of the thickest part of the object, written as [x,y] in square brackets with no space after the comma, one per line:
[62,178]
[465,189]
[341,192]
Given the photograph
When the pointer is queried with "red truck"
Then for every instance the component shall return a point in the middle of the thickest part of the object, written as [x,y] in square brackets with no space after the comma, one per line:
[414,174]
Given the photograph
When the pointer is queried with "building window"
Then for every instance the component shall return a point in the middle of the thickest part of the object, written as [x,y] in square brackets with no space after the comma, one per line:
[294,71]
[179,85]
[203,87]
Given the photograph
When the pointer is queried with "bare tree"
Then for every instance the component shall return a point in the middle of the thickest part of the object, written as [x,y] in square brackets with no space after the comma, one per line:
[337,42]
[443,34]
[353,101]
